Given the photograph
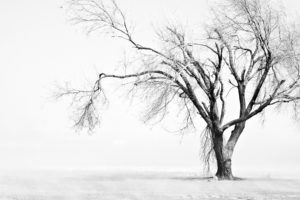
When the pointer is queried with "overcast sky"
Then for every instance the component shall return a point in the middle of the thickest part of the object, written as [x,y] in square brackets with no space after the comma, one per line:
[39,48]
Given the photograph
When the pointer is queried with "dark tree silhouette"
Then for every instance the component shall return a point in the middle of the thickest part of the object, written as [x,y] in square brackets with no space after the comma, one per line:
[250,49]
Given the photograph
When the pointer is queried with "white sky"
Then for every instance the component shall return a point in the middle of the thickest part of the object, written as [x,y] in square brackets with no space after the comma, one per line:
[39,48]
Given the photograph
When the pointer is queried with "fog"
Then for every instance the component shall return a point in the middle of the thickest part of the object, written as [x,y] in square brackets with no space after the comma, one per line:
[40,48]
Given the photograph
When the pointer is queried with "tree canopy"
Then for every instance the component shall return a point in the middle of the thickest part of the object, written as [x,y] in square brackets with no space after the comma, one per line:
[249,49]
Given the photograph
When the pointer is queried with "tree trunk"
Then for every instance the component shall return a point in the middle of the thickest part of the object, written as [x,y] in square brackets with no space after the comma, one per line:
[224,153]
[224,171]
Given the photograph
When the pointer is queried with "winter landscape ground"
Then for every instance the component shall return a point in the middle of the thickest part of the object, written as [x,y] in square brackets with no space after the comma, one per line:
[104,185]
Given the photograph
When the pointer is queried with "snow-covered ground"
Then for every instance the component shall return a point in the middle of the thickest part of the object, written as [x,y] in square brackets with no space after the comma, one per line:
[105,185]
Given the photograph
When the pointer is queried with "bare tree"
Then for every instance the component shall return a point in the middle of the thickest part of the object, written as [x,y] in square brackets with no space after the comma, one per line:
[250,49]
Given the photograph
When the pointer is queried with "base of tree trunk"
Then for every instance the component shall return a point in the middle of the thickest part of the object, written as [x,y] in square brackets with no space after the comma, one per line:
[223,161]
[224,170]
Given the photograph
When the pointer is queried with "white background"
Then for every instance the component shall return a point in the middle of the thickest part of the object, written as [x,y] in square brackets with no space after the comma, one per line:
[39,48]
